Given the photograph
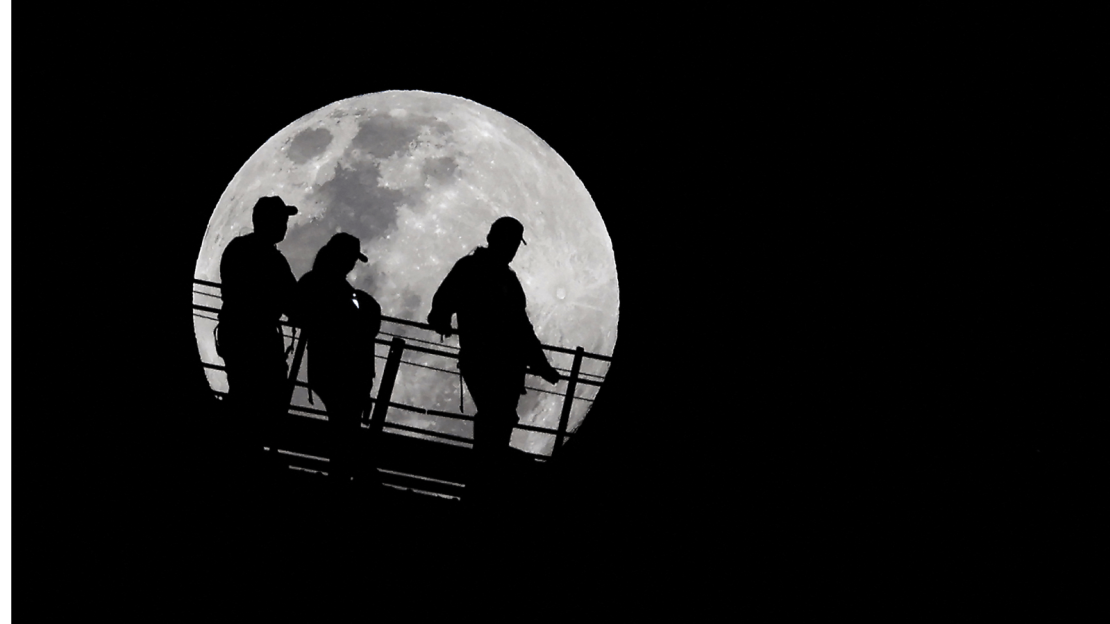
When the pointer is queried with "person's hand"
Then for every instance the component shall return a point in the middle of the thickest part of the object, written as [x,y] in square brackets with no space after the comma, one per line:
[551,375]
[440,325]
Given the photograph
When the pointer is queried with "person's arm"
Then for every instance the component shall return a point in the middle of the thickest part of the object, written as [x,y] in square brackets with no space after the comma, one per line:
[534,354]
[301,308]
[287,290]
[230,270]
[537,359]
[445,302]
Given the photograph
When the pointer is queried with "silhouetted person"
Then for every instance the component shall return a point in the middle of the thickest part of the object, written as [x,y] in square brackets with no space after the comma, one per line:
[257,287]
[497,343]
[340,324]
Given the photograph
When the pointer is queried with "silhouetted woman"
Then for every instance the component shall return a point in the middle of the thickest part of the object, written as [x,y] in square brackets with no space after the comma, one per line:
[339,325]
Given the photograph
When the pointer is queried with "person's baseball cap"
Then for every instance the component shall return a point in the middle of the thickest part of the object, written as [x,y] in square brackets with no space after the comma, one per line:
[347,243]
[272,206]
[509,228]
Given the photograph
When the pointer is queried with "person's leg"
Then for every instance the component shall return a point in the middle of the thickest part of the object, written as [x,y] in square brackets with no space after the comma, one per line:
[257,394]
[231,437]
[476,485]
[249,403]
[271,422]
[495,399]
[363,462]
[341,433]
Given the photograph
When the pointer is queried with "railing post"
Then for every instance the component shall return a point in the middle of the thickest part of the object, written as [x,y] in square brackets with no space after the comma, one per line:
[385,389]
[298,355]
[568,401]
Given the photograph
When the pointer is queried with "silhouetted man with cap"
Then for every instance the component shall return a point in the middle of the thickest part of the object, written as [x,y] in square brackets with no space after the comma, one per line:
[340,324]
[257,288]
[497,342]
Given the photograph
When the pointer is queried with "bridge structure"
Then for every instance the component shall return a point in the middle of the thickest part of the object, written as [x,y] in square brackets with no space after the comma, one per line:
[416,460]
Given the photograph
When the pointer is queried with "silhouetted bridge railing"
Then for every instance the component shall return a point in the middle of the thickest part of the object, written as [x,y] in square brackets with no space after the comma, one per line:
[411,463]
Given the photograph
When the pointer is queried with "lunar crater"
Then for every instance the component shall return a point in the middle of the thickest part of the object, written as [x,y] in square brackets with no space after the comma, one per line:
[309,144]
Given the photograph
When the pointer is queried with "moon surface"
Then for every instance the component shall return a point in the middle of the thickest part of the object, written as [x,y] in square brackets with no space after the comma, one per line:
[418,178]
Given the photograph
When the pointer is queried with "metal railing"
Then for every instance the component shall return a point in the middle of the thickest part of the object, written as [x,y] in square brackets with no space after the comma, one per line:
[375,415]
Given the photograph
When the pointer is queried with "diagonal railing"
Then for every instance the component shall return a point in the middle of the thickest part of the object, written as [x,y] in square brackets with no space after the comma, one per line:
[375,416]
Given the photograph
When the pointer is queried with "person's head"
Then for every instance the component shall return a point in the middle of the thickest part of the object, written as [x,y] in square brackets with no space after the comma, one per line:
[504,238]
[270,217]
[339,254]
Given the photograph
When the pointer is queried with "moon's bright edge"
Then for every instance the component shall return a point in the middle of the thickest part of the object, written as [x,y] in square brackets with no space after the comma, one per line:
[418,178]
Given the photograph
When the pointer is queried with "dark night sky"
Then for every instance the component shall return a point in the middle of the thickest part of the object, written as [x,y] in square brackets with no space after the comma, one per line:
[863,281]
[867,274]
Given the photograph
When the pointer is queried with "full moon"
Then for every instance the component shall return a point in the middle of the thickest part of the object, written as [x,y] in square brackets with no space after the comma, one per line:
[418,178]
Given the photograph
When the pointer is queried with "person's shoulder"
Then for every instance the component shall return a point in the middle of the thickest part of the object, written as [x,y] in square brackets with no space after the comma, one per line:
[236,253]
[309,283]
[311,278]
[245,240]
[238,243]
[250,245]
[467,263]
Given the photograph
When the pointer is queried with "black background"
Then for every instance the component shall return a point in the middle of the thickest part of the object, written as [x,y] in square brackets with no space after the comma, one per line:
[853,285]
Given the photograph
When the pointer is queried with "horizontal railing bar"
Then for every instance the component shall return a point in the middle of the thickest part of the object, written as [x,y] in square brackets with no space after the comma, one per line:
[425,326]
[418,349]
[388,479]
[413,476]
[434,434]
[419,491]
[426,432]
[428,327]
[542,391]
[302,455]
[387,424]
[415,410]
[431,412]
[539,429]
[302,384]
[197,306]
[440,370]
[558,394]
[582,375]
[466,417]
[401,321]
[419,410]
[455,356]
[412,483]
[308,410]
[406,479]
[407,338]
[470,441]
[297,383]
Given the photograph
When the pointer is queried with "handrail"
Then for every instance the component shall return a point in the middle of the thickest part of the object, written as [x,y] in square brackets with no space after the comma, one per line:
[379,406]
[401,321]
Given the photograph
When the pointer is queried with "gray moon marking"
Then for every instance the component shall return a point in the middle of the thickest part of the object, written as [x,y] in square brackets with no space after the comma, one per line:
[418,178]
